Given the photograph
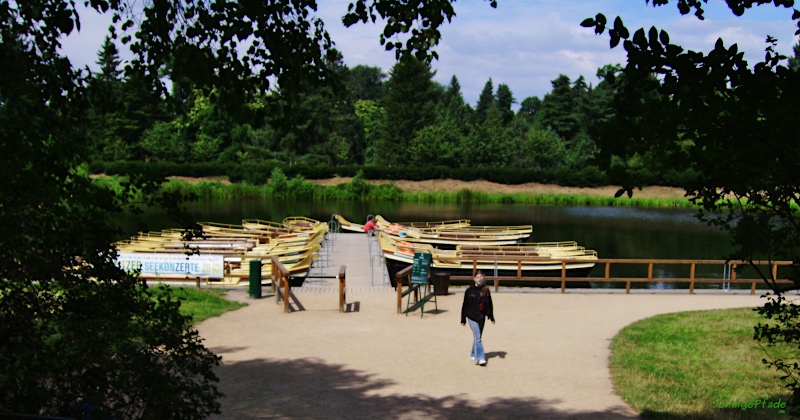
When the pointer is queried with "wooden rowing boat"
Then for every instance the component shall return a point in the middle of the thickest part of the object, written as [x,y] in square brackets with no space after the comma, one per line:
[542,259]
[295,243]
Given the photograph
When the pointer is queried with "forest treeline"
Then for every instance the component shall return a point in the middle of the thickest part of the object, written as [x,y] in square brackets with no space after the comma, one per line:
[396,125]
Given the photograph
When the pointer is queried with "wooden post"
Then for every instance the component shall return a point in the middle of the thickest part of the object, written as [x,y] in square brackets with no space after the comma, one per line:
[282,276]
[563,277]
[691,277]
[276,283]
[285,292]
[608,271]
[399,282]
[342,283]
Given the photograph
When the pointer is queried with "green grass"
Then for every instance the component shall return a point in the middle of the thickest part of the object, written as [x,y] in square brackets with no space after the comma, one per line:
[690,364]
[202,304]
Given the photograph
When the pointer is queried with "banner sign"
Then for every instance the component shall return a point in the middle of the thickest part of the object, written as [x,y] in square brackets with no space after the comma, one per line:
[172,265]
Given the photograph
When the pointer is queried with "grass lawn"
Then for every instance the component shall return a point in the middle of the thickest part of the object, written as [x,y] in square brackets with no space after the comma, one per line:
[698,365]
[202,304]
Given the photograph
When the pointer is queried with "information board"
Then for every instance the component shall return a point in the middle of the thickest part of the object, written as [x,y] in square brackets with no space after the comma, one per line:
[164,265]
[419,271]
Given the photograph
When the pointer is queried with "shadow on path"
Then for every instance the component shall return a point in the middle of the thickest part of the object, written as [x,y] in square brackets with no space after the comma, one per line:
[308,388]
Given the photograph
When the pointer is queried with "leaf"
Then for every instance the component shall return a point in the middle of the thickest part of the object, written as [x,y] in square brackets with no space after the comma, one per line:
[614,41]
[664,37]
[601,19]
[639,38]
[587,23]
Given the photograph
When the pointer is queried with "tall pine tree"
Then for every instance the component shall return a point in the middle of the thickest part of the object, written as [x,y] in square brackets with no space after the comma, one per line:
[485,101]
[410,106]
[504,100]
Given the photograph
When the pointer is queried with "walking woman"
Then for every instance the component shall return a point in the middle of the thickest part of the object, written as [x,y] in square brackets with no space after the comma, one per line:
[476,307]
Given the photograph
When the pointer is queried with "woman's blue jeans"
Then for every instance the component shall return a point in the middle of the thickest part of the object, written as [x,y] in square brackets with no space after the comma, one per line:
[477,345]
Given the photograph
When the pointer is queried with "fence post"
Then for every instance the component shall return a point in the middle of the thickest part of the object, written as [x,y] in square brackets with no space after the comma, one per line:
[285,292]
[399,283]
[691,276]
[563,277]
[342,282]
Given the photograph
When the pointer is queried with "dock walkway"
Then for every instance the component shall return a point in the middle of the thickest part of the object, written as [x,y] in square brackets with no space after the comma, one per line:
[361,254]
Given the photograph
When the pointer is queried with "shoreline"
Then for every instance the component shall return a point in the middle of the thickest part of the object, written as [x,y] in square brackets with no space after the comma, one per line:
[532,188]
[428,191]
[453,186]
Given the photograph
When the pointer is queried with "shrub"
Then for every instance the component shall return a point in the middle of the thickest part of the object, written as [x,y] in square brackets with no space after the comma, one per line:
[278,183]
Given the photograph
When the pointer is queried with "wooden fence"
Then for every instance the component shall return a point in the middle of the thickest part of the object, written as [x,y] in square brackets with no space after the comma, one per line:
[280,285]
[691,265]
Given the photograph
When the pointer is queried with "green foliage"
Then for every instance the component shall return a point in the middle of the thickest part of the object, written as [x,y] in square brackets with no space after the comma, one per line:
[437,144]
[365,83]
[731,123]
[278,183]
[402,18]
[504,100]
[541,149]
[485,102]
[358,187]
[297,187]
[79,334]
[409,105]
[489,143]
[371,118]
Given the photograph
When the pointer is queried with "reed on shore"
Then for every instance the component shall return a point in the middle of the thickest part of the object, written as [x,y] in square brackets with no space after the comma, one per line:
[358,188]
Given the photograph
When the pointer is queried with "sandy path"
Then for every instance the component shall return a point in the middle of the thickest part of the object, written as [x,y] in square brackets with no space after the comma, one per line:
[548,356]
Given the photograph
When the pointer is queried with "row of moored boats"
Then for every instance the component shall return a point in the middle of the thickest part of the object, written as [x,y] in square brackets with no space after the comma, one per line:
[222,253]
[295,242]
[459,248]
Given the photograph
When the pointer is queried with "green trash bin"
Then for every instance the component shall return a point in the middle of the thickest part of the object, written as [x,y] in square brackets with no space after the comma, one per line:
[255,279]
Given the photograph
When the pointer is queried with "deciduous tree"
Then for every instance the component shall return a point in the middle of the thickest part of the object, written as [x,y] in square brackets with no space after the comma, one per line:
[734,124]
[77,334]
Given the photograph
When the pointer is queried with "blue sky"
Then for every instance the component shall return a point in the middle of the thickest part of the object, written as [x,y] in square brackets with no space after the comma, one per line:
[525,43]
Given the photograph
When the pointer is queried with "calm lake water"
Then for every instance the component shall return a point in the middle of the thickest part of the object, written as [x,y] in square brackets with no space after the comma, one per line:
[614,232]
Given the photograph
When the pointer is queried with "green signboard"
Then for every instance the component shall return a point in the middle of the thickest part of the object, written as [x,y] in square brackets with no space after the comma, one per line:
[419,271]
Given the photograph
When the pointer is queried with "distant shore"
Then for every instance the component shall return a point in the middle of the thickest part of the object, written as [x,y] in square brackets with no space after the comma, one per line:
[453,186]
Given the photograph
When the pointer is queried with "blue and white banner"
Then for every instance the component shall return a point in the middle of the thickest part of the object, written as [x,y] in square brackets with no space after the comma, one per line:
[172,265]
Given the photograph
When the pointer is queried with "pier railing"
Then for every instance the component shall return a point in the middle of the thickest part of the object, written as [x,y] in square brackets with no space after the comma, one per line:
[282,289]
[606,264]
